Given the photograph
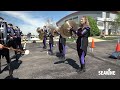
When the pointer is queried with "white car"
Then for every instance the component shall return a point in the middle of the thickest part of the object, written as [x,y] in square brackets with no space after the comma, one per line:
[34,39]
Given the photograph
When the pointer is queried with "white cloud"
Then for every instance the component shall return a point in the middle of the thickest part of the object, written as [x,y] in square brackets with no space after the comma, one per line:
[32,23]
[28,28]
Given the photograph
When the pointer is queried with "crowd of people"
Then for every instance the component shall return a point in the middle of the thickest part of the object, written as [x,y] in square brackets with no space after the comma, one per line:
[10,36]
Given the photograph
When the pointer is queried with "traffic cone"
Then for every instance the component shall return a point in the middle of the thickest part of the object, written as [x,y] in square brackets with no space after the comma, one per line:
[92,45]
[118,47]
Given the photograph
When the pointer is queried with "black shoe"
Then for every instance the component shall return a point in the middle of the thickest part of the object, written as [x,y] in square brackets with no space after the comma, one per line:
[44,47]
[80,70]
[83,67]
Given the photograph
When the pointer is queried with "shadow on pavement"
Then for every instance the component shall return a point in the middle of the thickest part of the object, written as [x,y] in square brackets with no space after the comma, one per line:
[69,61]
[18,56]
[58,62]
[10,77]
[14,65]
[72,63]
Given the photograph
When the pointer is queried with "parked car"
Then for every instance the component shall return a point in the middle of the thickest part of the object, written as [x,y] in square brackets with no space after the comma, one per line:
[34,38]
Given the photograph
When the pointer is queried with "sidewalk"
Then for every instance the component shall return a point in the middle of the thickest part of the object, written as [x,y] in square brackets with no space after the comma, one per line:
[96,40]
[90,40]
[57,39]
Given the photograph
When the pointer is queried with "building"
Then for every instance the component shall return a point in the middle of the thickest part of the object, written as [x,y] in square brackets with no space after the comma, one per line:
[103,18]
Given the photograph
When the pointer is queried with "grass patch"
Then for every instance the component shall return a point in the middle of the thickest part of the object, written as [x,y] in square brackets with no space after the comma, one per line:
[108,38]
[71,39]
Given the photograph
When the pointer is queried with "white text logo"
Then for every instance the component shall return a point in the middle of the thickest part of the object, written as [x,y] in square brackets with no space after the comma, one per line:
[108,72]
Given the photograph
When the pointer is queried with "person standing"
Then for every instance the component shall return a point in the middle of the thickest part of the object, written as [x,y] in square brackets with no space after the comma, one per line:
[51,43]
[82,41]
[18,34]
[5,41]
[45,37]
[62,45]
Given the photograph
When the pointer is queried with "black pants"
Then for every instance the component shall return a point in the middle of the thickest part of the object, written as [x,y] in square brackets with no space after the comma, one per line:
[62,49]
[51,47]
[13,43]
[5,52]
[18,43]
[81,54]
[44,42]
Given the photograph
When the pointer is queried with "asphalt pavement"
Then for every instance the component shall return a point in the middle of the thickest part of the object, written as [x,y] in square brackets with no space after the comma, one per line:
[40,65]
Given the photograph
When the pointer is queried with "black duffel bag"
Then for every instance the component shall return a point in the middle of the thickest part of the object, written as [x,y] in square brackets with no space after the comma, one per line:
[115,55]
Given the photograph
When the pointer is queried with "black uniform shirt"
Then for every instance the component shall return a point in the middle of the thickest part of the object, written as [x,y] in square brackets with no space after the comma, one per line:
[50,38]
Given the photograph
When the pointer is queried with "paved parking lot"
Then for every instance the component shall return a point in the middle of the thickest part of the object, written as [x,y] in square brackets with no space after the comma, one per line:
[40,65]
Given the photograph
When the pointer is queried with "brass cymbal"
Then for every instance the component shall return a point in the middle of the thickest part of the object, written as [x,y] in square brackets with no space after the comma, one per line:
[38,30]
[53,30]
[41,33]
[65,28]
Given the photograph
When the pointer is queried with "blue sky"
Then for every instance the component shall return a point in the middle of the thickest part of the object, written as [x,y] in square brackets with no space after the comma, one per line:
[28,21]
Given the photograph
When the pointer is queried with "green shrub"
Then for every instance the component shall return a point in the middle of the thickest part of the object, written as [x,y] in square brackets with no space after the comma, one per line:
[94,28]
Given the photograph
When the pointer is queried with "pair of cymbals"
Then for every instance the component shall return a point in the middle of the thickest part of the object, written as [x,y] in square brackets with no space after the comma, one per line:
[65,28]
[53,30]
[41,33]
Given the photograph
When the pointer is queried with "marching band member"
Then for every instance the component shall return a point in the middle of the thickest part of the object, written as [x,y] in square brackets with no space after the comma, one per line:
[18,34]
[12,39]
[51,42]
[5,41]
[45,37]
[62,46]
[82,42]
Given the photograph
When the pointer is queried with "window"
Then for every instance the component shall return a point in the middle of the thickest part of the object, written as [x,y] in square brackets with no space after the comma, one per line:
[100,23]
[70,19]
[107,14]
[75,19]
